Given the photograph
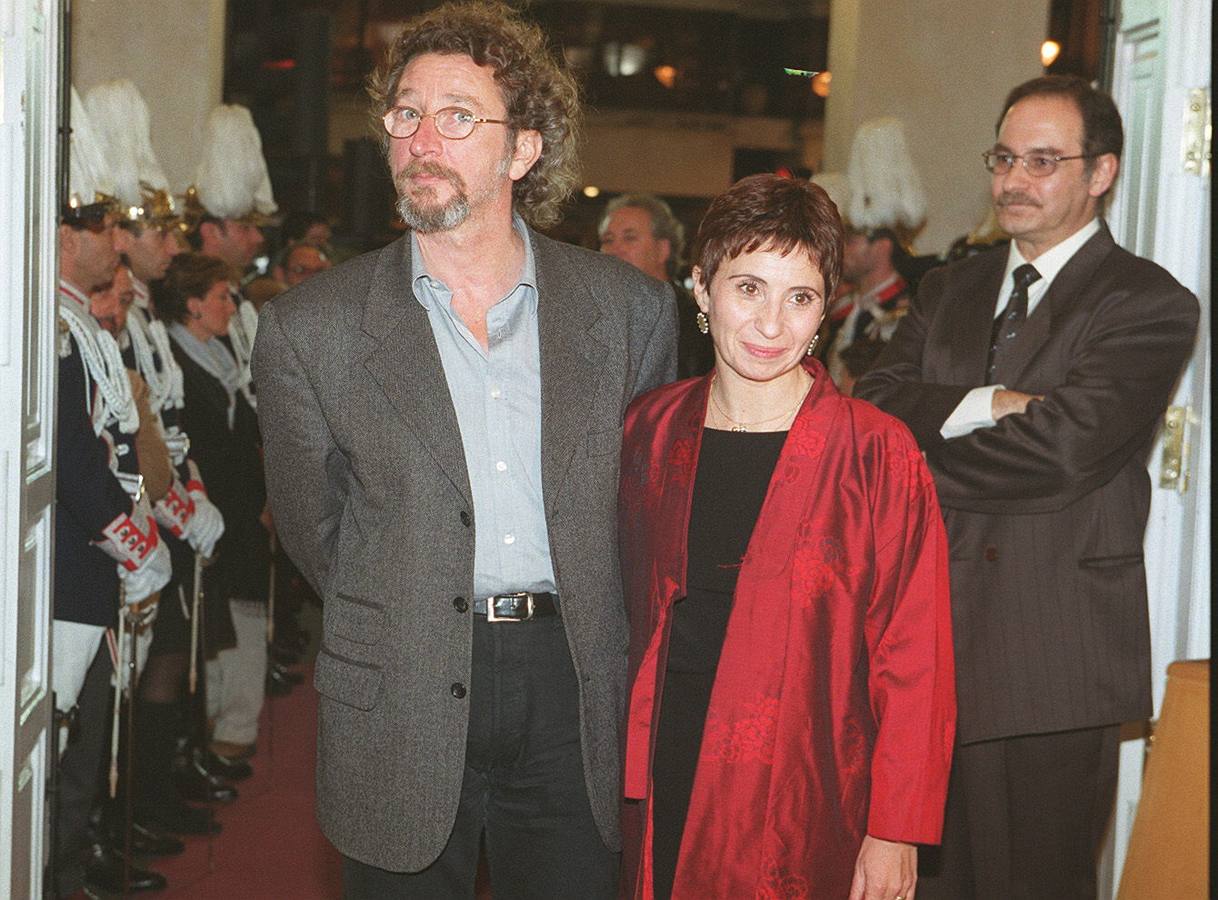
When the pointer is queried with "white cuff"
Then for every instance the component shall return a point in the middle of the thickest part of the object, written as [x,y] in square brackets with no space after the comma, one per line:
[975,411]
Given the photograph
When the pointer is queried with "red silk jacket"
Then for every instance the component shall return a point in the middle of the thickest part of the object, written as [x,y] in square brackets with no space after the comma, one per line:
[833,710]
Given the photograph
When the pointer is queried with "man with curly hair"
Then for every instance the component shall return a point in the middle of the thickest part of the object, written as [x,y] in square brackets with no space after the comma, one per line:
[442,424]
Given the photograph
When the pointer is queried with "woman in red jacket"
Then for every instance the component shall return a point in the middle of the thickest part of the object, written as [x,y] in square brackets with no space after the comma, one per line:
[792,709]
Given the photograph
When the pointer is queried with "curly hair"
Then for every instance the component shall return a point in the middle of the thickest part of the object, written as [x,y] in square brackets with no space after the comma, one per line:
[769,212]
[538,90]
[189,275]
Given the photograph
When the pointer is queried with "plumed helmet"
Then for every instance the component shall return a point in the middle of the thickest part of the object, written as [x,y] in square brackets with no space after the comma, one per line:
[886,191]
[232,181]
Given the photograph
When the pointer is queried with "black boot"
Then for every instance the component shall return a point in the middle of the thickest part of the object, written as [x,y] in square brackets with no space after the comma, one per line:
[156,801]
[104,871]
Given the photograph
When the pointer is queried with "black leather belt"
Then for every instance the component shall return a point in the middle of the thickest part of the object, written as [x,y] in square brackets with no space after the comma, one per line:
[518,606]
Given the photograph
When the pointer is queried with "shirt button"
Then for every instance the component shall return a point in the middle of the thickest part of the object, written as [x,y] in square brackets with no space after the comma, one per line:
[501,466]
[465,519]
[457,690]
[509,538]
[496,393]
[460,604]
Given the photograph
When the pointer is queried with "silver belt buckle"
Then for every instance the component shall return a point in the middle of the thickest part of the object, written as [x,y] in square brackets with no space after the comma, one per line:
[493,616]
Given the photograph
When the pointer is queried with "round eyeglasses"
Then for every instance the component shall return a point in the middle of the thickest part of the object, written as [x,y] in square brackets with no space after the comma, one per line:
[1038,165]
[452,122]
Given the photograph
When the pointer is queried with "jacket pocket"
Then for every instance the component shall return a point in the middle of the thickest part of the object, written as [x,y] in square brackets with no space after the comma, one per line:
[1107,562]
[602,443]
[345,680]
[354,619]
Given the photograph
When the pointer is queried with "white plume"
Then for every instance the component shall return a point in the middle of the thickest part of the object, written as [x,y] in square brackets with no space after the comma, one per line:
[86,163]
[232,178]
[837,186]
[885,188]
[119,115]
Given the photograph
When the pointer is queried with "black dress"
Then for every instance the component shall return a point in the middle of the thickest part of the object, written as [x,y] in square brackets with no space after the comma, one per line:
[734,470]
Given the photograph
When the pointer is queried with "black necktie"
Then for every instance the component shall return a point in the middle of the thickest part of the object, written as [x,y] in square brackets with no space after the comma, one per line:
[1006,326]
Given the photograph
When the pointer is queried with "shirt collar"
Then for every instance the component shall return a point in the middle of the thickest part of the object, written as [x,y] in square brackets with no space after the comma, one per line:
[1053,260]
[418,271]
[71,292]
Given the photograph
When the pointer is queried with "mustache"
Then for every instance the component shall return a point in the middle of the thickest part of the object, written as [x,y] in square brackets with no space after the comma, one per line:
[432,168]
[1006,198]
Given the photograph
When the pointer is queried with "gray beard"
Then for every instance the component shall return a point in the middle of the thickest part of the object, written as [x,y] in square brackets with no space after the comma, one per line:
[427,220]
[432,218]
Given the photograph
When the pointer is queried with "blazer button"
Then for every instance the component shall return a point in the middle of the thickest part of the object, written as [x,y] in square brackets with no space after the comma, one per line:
[991,553]
[465,519]
[460,604]
[458,690]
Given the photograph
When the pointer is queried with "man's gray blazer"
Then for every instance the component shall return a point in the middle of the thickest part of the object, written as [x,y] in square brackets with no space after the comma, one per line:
[368,485]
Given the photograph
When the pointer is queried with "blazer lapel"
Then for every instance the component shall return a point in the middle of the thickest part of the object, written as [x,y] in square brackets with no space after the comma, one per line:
[406,363]
[574,347]
[1068,288]
[972,312]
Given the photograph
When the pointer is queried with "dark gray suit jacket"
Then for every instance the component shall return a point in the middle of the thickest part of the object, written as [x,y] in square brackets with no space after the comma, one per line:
[1045,511]
[371,498]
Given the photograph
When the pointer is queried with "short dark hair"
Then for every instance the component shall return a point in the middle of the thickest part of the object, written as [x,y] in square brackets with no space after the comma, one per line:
[189,275]
[769,212]
[538,90]
[297,224]
[1102,131]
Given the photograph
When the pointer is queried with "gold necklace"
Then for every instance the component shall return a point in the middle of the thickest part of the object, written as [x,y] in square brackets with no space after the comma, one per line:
[745,426]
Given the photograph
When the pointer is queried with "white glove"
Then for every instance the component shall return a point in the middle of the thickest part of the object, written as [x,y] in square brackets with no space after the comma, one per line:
[206,527]
[175,510]
[149,578]
[143,561]
[207,524]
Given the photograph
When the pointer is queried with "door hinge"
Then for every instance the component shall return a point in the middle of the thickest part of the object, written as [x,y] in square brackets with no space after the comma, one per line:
[1172,472]
[1198,126]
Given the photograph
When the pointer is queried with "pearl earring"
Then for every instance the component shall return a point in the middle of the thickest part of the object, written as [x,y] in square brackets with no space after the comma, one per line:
[703,322]
[812,345]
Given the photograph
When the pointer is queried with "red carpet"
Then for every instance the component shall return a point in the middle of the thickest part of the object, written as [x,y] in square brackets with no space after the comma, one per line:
[271,847]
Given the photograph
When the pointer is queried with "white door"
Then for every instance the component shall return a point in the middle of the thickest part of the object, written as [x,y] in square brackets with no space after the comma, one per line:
[29,106]
[1161,82]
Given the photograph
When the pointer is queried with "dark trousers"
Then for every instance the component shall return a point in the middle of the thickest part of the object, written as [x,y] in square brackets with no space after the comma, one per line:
[1025,818]
[524,782]
[80,770]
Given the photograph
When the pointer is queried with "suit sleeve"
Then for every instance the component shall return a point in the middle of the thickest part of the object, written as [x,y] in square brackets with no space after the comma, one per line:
[896,383]
[911,675]
[659,360]
[1088,427]
[85,486]
[305,469]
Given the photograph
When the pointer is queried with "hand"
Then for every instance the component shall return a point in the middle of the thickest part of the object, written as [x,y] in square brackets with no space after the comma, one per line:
[267,520]
[175,510]
[154,574]
[1005,403]
[884,870]
[206,527]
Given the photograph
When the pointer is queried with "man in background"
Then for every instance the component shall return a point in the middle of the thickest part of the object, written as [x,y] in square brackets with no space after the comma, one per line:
[1033,378]
[641,229]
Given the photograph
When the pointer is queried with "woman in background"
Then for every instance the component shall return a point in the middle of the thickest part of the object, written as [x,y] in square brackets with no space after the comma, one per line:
[792,708]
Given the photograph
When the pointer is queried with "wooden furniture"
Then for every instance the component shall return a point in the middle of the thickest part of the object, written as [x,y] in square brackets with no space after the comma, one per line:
[1169,847]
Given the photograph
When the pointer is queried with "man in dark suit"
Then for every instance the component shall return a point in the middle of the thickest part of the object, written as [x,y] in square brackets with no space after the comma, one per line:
[1034,378]
[442,423]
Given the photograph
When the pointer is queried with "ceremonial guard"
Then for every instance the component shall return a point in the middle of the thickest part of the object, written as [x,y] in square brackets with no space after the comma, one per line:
[227,206]
[108,555]
[886,207]
[190,524]
[230,199]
